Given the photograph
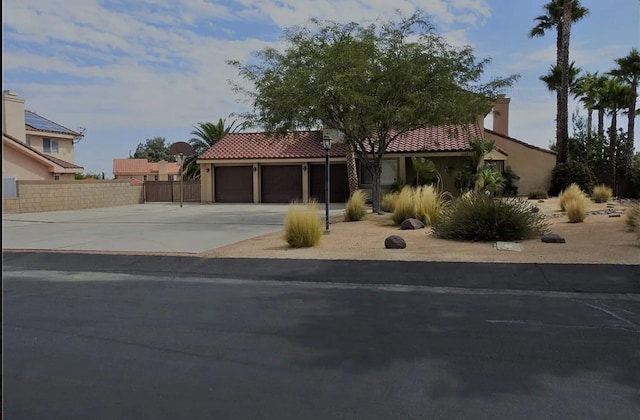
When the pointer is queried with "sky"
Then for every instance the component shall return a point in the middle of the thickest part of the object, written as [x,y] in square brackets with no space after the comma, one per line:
[131,70]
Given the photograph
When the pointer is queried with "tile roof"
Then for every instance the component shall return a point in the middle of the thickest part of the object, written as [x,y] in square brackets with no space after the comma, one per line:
[37,122]
[62,163]
[308,144]
[141,166]
[299,144]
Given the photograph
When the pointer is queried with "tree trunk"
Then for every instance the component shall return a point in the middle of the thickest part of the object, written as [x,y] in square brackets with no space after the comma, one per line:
[563,94]
[631,121]
[612,148]
[601,123]
[376,172]
[589,122]
[352,171]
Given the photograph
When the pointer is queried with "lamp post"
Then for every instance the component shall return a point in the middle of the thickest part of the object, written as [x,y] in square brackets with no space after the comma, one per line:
[326,142]
[181,178]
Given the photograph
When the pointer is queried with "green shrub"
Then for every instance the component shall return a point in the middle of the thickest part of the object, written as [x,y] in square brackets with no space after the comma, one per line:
[303,225]
[480,217]
[388,202]
[510,188]
[538,195]
[404,208]
[632,218]
[565,174]
[355,209]
[577,209]
[572,192]
[601,193]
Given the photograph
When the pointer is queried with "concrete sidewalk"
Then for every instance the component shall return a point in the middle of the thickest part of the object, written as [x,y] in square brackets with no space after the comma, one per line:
[150,227]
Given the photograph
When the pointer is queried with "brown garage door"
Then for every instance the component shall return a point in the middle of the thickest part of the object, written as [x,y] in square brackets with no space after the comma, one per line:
[281,184]
[339,186]
[234,184]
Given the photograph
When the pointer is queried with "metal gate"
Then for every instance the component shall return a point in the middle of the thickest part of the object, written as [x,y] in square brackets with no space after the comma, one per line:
[169,191]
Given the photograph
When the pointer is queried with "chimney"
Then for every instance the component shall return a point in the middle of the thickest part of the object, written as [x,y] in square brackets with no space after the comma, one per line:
[163,171]
[13,115]
[501,116]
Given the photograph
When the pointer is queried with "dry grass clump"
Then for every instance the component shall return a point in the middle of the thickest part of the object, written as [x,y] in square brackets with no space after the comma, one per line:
[428,204]
[302,225]
[572,192]
[356,207]
[423,203]
[538,194]
[388,202]
[633,217]
[577,209]
[602,193]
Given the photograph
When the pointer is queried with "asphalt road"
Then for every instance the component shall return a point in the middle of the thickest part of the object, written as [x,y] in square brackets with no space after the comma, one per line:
[81,343]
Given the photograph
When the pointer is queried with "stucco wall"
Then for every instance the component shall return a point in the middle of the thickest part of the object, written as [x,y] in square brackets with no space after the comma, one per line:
[22,167]
[37,196]
[65,147]
[531,164]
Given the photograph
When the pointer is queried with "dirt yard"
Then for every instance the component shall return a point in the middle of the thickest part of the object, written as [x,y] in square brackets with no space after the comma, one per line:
[599,239]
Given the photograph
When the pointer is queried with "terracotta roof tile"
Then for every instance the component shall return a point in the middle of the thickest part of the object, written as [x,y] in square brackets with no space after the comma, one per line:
[141,166]
[308,144]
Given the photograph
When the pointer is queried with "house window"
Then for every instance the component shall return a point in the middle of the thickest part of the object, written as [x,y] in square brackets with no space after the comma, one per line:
[50,146]
[155,177]
[389,175]
[56,177]
[144,177]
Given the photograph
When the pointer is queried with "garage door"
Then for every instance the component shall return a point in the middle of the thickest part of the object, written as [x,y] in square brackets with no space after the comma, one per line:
[234,184]
[339,186]
[281,183]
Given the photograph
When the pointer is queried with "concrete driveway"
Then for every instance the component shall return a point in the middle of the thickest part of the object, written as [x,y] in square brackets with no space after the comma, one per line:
[150,227]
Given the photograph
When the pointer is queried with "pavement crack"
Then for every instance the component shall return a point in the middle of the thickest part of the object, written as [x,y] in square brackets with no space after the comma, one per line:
[611,313]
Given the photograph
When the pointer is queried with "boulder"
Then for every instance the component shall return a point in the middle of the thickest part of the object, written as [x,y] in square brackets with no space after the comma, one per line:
[394,242]
[411,224]
[552,238]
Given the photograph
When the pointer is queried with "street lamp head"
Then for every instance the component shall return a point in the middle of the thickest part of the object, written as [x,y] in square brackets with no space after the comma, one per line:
[326,142]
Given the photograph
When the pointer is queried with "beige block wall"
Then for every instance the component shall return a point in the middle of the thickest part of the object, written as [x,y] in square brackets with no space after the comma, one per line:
[532,165]
[38,196]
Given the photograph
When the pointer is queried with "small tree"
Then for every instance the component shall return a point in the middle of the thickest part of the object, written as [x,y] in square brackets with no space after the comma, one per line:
[154,150]
[374,83]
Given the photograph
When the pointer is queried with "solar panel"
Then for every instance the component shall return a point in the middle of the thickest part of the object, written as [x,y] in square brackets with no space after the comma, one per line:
[40,123]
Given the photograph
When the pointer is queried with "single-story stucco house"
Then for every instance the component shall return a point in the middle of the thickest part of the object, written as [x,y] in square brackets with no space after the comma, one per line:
[35,148]
[257,168]
[143,170]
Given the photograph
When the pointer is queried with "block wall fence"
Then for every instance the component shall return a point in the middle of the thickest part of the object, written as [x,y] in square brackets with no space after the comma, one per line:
[38,196]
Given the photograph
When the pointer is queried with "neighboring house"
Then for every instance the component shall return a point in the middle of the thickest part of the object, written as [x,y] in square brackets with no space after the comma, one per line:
[255,167]
[33,147]
[143,170]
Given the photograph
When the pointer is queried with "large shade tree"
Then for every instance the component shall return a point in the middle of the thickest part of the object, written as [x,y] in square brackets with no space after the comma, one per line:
[205,135]
[374,83]
[560,15]
[154,150]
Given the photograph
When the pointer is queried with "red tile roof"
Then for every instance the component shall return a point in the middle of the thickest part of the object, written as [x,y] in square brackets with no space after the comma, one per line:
[141,166]
[308,144]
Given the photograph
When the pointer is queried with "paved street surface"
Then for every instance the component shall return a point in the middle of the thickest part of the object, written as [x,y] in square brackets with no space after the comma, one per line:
[150,227]
[132,344]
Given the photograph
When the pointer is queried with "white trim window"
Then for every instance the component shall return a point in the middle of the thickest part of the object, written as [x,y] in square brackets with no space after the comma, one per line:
[389,175]
[50,145]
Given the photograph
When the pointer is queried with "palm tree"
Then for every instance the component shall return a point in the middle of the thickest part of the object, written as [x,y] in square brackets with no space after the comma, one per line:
[553,79]
[205,135]
[585,90]
[616,97]
[629,71]
[560,14]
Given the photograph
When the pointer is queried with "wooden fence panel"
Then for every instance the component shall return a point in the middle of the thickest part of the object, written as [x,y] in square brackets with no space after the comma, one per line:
[169,191]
